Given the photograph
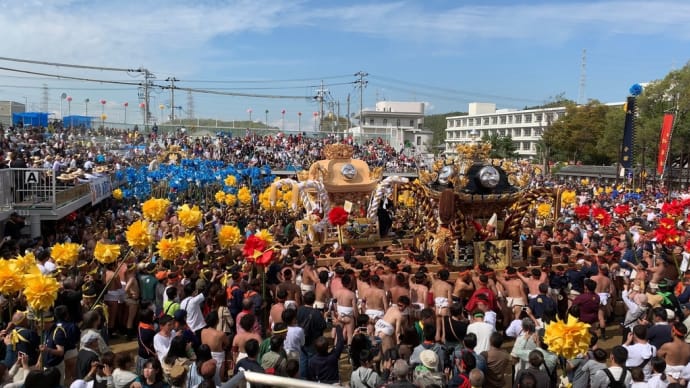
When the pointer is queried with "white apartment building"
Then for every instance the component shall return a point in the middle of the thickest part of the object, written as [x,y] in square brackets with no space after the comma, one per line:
[525,127]
[398,123]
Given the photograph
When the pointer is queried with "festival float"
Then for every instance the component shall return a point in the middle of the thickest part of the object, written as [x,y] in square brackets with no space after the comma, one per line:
[344,200]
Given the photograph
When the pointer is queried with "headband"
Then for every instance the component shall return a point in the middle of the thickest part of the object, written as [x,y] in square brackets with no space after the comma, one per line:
[280,331]
[677,332]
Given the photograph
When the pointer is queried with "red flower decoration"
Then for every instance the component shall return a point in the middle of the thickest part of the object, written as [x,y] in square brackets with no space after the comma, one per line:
[602,216]
[667,233]
[252,245]
[338,216]
[622,210]
[265,258]
[582,212]
[673,208]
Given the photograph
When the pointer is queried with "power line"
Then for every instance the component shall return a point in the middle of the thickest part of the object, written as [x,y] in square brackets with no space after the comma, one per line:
[270,81]
[470,94]
[70,88]
[70,65]
[233,94]
[70,77]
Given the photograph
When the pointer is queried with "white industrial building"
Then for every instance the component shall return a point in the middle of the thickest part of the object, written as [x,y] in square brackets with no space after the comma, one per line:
[399,123]
[525,127]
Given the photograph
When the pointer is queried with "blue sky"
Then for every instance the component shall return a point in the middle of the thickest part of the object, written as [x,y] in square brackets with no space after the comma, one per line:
[444,53]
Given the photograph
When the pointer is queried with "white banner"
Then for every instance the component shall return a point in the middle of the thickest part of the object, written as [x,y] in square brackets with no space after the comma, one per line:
[101,188]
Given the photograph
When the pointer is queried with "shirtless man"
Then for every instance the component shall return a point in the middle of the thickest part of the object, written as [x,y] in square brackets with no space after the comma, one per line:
[676,353]
[387,276]
[247,323]
[390,327]
[294,294]
[323,294]
[362,283]
[309,277]
[537,277]
[418,292]
[217,341]
[443,296]
[605,289]
[346,307]
[337,280]
[464,287]
[514,292]
[375,301]
[114,297]
[399,289]
[277,309]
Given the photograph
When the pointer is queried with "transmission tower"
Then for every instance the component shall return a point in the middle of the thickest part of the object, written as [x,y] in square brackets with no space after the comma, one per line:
[583,78]
[46,98]
[190,105]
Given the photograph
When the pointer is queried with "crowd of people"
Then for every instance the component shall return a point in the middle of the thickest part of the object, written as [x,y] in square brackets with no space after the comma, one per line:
[398,320]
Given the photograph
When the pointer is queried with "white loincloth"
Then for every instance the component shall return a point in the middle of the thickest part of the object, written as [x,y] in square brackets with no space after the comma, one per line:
[374,314]
[674,370]
[384,327]
[345,311]
[306,288]
[115,296]
[515,302]
[290,304]
[603,298]
[441,302]
[319,305]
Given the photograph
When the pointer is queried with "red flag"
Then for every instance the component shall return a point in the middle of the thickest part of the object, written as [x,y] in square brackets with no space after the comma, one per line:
[664,143]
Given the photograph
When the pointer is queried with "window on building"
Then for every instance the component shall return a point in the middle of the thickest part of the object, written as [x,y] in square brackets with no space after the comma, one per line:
[537,117]
[525,145]
[419,140]
[538,131]
[412,123]
[470,121]
[385,122]
[528,118]
[503,119]
[518,119]
[494,120]
[486,121]
[549,117]
[510,119]
[371,121]
[397,123]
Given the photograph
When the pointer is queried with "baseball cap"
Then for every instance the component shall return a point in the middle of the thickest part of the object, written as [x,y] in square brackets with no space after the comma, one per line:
[429,359]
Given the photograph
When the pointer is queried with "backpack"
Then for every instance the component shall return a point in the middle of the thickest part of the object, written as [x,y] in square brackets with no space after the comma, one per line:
[165,312]
[620,383]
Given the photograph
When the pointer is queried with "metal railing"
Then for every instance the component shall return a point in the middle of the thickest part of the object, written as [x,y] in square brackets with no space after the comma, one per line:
[252,378]
[36,188]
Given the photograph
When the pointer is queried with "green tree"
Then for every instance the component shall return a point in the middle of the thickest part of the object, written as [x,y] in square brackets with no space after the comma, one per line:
[578,135]
[670,94]
[437,123]
[502,147]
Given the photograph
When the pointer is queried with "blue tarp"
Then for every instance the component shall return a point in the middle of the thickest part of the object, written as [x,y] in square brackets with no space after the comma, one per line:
[34,119]
[77,121]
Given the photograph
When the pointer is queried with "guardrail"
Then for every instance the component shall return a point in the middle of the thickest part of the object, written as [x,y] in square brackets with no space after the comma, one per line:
[37,188]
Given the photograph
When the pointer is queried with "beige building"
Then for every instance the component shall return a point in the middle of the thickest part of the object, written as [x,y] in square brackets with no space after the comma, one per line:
[525,127]
[6,110]
[399,123]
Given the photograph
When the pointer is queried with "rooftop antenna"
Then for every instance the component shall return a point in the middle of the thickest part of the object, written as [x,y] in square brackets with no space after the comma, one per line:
[583,78]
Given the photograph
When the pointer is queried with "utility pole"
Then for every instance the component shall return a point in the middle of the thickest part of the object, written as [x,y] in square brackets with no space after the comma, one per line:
[147,83]
[172,81]
[190,105]
[320,97]
[361,83]
[348,111]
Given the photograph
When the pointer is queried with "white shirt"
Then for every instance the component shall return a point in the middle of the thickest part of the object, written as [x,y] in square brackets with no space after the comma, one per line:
[637,354]
[294,339]
[161,345]
[515,328]
[490,318]
[195,317]
[656,382]
[483,332]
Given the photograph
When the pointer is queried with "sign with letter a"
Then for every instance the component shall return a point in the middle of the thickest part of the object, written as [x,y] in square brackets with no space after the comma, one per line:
[31,177]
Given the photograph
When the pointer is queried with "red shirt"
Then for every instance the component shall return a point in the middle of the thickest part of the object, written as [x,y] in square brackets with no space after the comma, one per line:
[472,303]
[589,307]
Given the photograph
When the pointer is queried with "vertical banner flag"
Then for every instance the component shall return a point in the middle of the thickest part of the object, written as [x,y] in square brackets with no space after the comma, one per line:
[664,143]
[626,161]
